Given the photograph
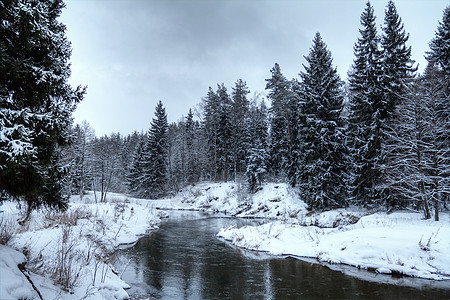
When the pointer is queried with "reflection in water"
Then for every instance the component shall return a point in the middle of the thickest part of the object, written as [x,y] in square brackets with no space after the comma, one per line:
[184,260]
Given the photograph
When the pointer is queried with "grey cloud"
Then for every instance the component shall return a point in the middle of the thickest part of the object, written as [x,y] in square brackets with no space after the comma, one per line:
[134,53]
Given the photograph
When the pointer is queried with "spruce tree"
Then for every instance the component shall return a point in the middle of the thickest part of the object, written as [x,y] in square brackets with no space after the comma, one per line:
[176,156]
[257,152]
[135,176]
[36,102]
[434,93]
[367,111]
[439,53]
[397,78]
[155,182]
[396,59]
[191,155]
[323,154]
[82,159]
[211,117]
[435,89]
[280,131]
[240,110]
[225,159]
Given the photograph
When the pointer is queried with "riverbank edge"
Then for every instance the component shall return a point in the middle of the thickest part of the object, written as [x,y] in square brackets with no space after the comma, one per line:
[281,242]
[32,248]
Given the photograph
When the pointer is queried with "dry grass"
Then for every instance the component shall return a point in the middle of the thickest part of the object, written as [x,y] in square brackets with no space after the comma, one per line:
[8,228]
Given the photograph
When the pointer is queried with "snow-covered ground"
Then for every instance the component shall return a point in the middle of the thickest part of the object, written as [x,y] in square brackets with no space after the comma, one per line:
[400,243]
[88,233]
[273,201]
[68,254]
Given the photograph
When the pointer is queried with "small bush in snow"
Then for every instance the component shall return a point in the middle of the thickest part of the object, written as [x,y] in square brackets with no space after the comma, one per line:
[7,229]
[69,217]
[427,246]
[66,269]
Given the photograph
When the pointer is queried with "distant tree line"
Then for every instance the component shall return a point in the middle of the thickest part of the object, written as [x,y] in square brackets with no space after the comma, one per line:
[379,140]
[383,143]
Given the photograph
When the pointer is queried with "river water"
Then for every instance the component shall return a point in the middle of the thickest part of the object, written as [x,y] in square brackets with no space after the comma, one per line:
[185,260]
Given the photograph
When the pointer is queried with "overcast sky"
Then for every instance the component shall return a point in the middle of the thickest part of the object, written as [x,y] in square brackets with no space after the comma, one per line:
[132,54]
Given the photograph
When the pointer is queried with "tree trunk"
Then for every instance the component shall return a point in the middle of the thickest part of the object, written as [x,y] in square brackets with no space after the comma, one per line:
[436,206]
[27,214]
[423,199]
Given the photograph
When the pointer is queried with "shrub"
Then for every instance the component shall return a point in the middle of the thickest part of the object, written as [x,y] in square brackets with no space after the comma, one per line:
[8,229]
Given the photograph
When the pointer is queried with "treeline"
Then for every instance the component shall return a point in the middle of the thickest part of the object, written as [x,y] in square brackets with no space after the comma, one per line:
[381,140]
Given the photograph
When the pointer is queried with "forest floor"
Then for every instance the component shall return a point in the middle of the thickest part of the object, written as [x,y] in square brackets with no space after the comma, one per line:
[68,255]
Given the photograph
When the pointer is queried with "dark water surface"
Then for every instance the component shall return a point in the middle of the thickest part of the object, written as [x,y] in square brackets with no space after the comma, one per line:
[185,260]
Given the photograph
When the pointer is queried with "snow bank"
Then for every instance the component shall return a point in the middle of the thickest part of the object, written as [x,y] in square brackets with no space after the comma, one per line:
[400,243]
[78,242]
[273,200]
[14,285]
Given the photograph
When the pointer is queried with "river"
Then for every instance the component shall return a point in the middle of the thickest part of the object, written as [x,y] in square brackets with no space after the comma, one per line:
[185,260]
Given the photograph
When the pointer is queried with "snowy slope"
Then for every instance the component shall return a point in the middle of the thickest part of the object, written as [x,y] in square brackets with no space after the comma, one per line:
[88,233]
[13,284]
[273,200]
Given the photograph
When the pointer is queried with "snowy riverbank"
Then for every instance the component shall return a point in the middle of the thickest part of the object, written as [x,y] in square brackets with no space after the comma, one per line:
[80,242]
[398,243]
[67,255]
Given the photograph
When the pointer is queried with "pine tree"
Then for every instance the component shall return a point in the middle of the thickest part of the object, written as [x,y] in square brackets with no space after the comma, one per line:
[367,112]
[323,154]
[156,156]
[419,158]
[280,131]
[398,72]
[36,102]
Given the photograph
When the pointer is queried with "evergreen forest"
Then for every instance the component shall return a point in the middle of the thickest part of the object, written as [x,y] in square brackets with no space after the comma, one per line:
[380,140]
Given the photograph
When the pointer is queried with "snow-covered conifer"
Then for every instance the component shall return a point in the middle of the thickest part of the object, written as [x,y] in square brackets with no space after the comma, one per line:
[240,139]
[398,72]
[192,151]
[211,114]
[280,131]
[367,111]
[440,45]
[323,154]
[36,102]
[225,162]
[155,182]
[135,177]
[257,153]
